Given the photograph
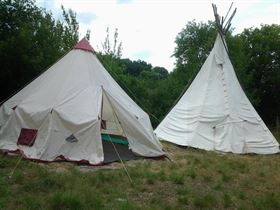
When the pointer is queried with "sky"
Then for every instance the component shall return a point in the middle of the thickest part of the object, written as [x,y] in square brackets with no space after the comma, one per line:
[148,28]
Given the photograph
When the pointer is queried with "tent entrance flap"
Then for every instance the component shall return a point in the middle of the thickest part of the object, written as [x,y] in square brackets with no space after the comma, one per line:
[113,136]
[109,122]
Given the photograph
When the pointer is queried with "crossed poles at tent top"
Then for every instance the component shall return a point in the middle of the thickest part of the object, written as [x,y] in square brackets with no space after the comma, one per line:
[223,24]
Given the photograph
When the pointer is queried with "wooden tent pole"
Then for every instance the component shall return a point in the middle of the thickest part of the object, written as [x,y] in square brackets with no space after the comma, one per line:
[125,169]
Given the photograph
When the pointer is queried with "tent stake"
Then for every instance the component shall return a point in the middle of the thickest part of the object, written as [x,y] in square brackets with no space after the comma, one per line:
[13,171]
[126,171]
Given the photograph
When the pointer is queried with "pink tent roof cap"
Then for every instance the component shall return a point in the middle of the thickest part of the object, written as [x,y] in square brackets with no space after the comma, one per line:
[84,45]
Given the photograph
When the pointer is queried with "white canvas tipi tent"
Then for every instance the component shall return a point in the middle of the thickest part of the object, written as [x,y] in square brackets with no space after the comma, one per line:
[215,114]
[65,110]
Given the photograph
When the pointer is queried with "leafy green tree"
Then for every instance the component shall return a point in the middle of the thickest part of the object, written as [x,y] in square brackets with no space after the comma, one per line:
[193,45]
[161,71]
[114,50]
[31,40]
[239,59]
[136,67]
[262,47]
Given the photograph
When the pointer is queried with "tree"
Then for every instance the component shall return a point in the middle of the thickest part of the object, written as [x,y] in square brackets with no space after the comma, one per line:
[193,45]
[114,50]
[135,68]
[161,71]
[31,40]
[262,47]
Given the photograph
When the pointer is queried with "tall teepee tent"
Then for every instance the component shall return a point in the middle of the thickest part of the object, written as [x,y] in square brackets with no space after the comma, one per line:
[65,112]
[214,113]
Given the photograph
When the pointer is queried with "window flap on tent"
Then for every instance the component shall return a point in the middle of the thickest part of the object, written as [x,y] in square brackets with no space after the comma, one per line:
[110,123]
[71,139]
[27,137]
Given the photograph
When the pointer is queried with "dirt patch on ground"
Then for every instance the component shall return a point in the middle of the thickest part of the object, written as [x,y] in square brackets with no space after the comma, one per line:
[62,167]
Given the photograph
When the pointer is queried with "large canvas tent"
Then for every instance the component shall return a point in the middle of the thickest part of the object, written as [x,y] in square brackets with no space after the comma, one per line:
[215,114]
[65,112]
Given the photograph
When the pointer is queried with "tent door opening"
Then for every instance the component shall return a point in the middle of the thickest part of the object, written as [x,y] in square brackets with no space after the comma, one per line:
[113,133]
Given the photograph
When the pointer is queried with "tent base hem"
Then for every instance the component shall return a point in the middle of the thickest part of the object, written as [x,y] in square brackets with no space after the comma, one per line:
[61,158]
[216,151]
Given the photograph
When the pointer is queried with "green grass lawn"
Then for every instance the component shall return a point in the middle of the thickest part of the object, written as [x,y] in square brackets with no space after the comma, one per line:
[194,180]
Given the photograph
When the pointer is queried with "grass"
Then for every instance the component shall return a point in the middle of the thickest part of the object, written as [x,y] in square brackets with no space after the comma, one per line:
[194,180]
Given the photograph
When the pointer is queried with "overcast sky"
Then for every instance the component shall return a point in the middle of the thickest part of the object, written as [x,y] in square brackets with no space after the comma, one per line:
[147,28]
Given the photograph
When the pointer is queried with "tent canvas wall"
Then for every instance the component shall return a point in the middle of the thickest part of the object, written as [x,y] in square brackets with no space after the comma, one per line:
[215,114]
[66,109]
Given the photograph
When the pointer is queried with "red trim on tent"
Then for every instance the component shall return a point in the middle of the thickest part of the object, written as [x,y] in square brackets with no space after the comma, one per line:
[84,45]
[61,158]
